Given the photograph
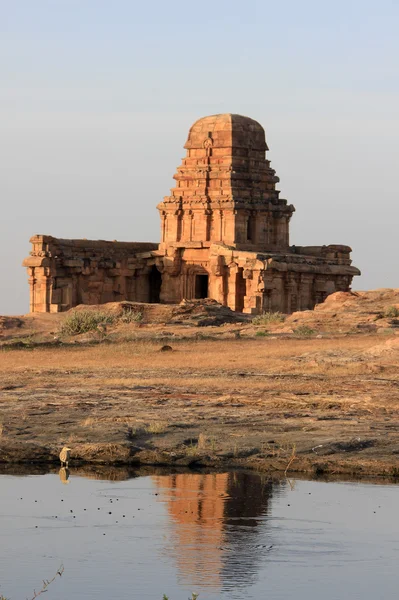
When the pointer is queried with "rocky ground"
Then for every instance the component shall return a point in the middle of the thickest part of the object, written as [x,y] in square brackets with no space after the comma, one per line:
[196,384]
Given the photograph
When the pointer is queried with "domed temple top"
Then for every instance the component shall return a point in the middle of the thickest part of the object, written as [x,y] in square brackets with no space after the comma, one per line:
[227,130]
[225,189]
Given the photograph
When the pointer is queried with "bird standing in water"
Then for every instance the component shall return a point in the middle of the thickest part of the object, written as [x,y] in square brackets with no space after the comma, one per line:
[65,455]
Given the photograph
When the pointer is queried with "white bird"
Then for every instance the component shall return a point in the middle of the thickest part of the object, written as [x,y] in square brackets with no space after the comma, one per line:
[65,455]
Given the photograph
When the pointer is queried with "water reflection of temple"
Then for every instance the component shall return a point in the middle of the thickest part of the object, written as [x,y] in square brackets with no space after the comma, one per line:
[218,535]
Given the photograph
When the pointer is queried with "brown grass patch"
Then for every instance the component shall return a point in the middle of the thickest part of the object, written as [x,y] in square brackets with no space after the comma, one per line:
[227,396]
[201,354]
[157,427]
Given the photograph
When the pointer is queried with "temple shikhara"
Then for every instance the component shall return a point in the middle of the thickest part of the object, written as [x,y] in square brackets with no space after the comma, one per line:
[224,235]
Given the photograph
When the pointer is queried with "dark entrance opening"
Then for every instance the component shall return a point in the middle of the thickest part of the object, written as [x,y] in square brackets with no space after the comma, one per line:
[201,286]
[241,290]
[155,281]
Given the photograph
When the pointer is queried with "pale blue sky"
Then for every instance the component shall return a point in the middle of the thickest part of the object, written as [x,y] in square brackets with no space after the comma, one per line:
[96,98]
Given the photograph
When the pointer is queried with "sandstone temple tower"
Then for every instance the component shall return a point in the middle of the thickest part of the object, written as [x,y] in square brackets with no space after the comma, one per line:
[224,235]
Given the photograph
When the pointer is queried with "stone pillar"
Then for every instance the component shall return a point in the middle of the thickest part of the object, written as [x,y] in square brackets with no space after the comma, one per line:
[228,228]
[32,289]
[279,231]
[291,295]
[187,226]
[217,226]
[217,279]
[173,225]
[260,228]
[163,226]
[277,293]
[266,301]
[231,285]
[305,299]
[199,223]
[41,287]
[208,224]
[252,299]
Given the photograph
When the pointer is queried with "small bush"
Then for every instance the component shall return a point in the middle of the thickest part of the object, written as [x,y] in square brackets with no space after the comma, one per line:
[268,317]
[391,312]
[192,449]
[304,330]
[262,333]
[82,321]
[131,316]
[157,427]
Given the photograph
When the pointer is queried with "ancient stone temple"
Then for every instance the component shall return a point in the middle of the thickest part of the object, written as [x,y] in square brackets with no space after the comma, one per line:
[224,235]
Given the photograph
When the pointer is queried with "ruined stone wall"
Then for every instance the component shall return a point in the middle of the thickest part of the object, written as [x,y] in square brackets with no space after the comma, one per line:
[65,273]
[257,282]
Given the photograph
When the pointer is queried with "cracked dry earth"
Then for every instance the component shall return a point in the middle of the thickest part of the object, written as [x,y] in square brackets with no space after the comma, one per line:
[312,405]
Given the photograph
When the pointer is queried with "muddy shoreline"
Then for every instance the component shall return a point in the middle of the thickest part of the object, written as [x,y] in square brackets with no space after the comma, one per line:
[16,459]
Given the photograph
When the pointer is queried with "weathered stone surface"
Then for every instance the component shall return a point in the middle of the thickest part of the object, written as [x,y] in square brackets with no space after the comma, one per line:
[64,273]
[224,235]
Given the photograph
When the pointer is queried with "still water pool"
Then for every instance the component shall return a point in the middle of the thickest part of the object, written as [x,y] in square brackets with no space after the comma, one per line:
[221,535]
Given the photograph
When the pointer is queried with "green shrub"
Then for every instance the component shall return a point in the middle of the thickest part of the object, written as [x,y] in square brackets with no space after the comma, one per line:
[391,312]
[268,317]
[304,330]
[82,321]
[262,333]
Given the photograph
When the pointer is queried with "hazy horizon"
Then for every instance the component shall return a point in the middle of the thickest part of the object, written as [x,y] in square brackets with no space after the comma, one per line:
[96,102]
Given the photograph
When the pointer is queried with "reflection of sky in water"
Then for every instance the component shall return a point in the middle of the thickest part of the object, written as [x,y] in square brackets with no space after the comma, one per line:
[229,535]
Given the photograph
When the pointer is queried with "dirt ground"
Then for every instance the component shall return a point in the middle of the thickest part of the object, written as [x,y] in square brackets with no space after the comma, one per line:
[220,396]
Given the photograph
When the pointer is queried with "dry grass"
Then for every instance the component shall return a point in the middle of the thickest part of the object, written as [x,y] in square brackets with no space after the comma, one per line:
[226,396]
[157,427]
[89,422]
[201,355]
[100,452]
[269,318]
[131,316]
[391,312]
[304,330]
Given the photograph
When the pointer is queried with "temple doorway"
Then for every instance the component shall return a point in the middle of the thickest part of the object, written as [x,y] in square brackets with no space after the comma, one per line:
[201,286]
[155,281]
[241,290]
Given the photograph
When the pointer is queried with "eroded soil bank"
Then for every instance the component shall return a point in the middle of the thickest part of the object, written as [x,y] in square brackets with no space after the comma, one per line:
[314,405]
